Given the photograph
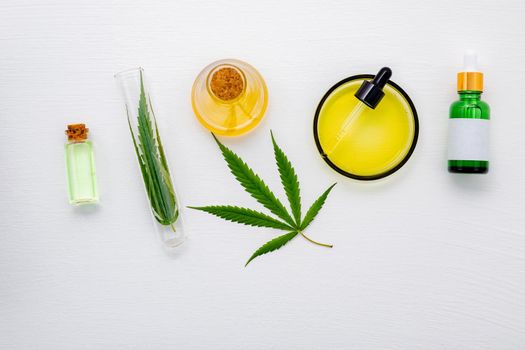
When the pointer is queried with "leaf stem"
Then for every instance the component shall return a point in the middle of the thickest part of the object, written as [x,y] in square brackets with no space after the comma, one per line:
[173,227]
[315,242]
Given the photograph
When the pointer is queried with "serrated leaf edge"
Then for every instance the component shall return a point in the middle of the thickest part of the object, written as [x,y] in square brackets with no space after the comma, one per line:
[289,180]
[315,208]
[261,192]
[245,216]
[269,247]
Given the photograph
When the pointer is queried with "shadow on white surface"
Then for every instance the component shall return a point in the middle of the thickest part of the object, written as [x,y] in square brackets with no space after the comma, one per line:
[373,185]
[471,182]
[175,252]
[87,209]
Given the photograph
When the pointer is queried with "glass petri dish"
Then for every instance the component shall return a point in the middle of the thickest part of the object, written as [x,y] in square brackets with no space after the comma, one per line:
[379,141]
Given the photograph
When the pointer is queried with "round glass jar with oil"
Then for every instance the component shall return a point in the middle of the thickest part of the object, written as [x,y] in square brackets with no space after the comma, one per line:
[229,97]
[377,142]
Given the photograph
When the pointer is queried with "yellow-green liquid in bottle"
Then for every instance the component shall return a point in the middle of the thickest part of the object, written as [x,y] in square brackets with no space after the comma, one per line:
[80,165]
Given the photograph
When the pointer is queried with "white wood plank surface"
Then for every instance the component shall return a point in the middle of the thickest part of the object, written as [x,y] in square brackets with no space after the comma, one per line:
[421,260]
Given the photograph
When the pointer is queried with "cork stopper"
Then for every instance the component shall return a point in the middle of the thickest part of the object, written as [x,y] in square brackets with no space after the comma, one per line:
[227,83]
[77,132]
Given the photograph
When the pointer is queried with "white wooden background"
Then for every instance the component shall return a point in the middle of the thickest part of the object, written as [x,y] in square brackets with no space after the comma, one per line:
[422,260]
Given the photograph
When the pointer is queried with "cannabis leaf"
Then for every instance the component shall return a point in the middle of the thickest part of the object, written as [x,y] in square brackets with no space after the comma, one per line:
[257,188]
[272,245]
[314,209]
[289,180]
[153,164]
[253,184]
[244,216]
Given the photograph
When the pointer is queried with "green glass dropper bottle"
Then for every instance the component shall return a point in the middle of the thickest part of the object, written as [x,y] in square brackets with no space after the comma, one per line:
[468,141]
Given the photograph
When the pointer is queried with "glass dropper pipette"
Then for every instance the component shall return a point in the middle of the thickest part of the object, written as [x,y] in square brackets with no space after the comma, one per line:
[369,94]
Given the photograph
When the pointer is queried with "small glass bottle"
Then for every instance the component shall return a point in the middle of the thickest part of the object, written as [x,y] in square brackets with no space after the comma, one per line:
[80,165]
[468,140]
[229,97]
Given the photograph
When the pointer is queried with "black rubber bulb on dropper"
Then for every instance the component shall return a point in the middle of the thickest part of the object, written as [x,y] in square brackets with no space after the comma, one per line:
[371,92]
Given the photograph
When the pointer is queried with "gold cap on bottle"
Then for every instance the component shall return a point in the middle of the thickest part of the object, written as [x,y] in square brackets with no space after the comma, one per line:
[470,81]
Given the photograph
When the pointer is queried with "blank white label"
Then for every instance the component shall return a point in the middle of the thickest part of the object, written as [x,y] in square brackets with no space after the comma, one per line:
[468,139]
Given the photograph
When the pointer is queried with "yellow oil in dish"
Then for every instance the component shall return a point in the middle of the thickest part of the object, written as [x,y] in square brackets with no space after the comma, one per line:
[229,97]
[362,142]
